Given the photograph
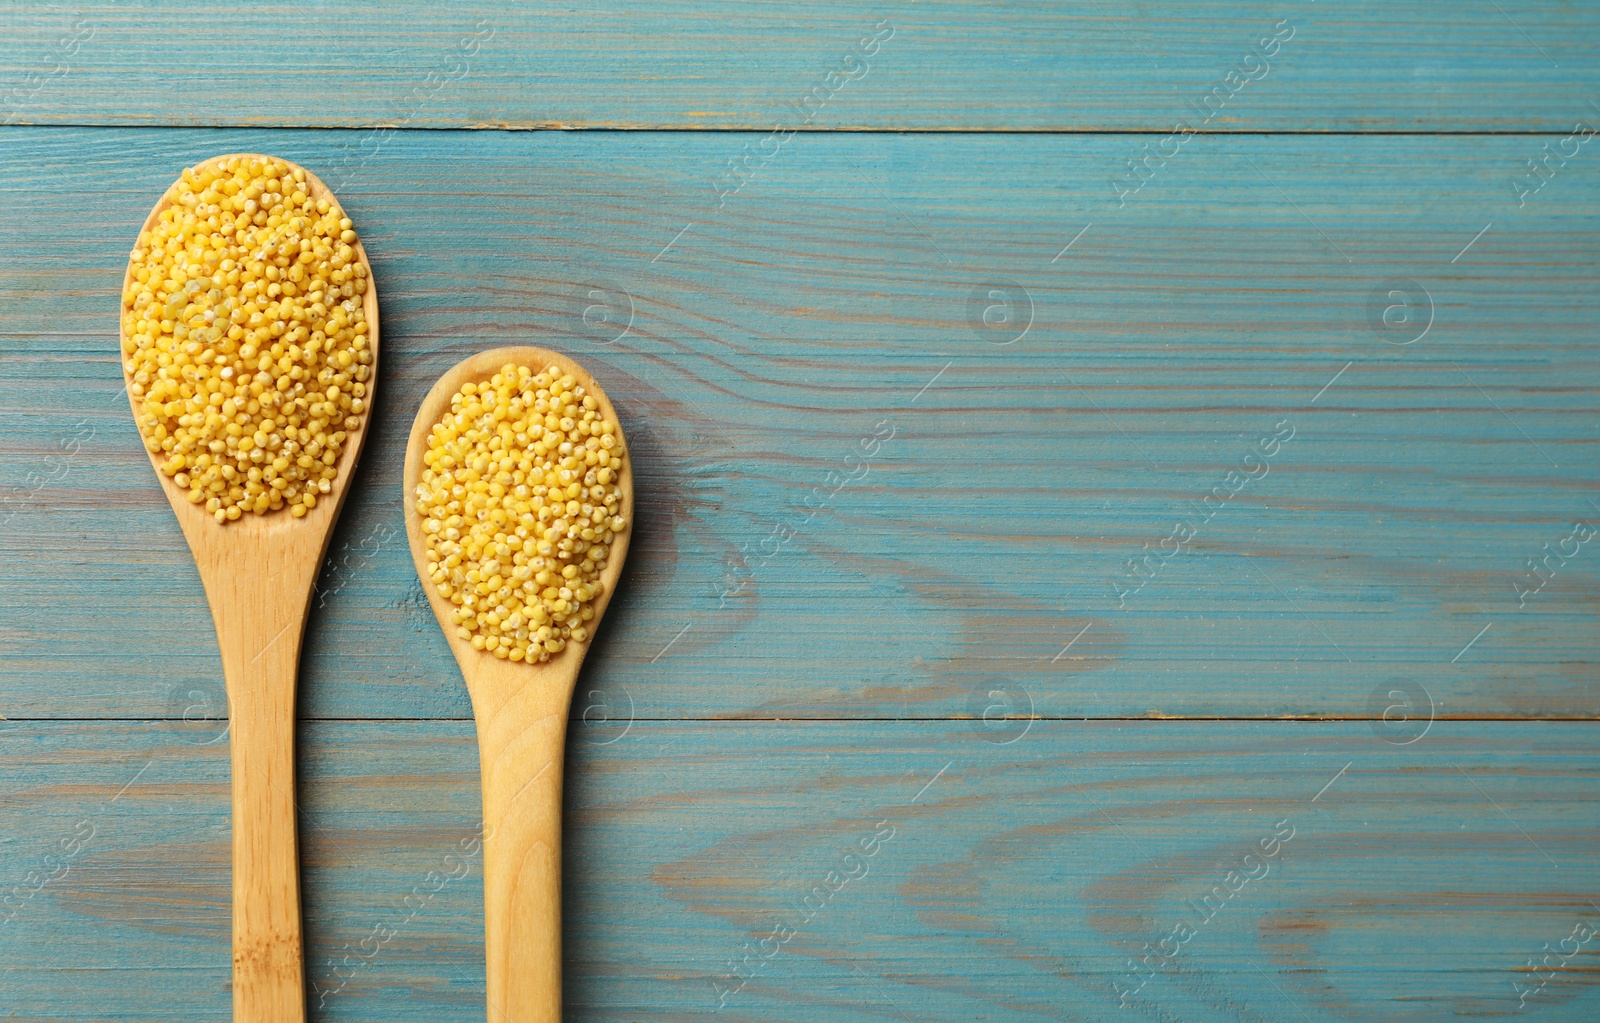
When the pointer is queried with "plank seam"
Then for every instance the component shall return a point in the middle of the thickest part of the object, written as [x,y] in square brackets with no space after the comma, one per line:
[843,130]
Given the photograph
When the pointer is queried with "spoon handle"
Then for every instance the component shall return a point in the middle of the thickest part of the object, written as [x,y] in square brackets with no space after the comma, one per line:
[260,654]
[520,753]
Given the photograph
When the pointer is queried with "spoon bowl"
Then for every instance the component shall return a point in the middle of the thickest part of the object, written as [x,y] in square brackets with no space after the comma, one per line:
[521,714]
[258,573]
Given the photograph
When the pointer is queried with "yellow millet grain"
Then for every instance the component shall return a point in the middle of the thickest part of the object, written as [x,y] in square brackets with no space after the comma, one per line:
[244,337]
[519,504]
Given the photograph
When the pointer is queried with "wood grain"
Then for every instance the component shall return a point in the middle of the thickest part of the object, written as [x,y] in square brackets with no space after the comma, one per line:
[772,340]
[521,711]
[1018,880]
[1045,411]
[1107,65]
[258,575]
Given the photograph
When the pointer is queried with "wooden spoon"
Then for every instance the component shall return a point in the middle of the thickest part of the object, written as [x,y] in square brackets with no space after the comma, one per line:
[521,712]
[258,574]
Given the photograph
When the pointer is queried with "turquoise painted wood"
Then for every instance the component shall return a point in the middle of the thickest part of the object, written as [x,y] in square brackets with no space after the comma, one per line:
[1004,485]
[1098,65]
[1007,880]
[805,361]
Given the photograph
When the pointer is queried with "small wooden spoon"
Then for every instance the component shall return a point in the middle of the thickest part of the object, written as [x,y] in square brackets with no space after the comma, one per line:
[258,574]
[521,712]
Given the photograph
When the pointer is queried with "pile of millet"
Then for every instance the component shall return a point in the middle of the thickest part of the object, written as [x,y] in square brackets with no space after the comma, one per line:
[520,502]
[245,340]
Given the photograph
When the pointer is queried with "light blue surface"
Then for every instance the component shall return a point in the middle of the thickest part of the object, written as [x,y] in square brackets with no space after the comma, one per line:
[984,397]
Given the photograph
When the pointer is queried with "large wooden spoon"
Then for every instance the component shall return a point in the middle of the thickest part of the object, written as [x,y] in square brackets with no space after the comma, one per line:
[258,574]
[521,713]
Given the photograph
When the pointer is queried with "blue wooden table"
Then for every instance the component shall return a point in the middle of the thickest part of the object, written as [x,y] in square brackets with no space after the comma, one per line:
[1130,467]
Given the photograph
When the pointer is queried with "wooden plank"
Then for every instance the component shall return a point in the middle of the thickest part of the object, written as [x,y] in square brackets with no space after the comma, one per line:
[1016,882]
[988,541]
[693,64]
